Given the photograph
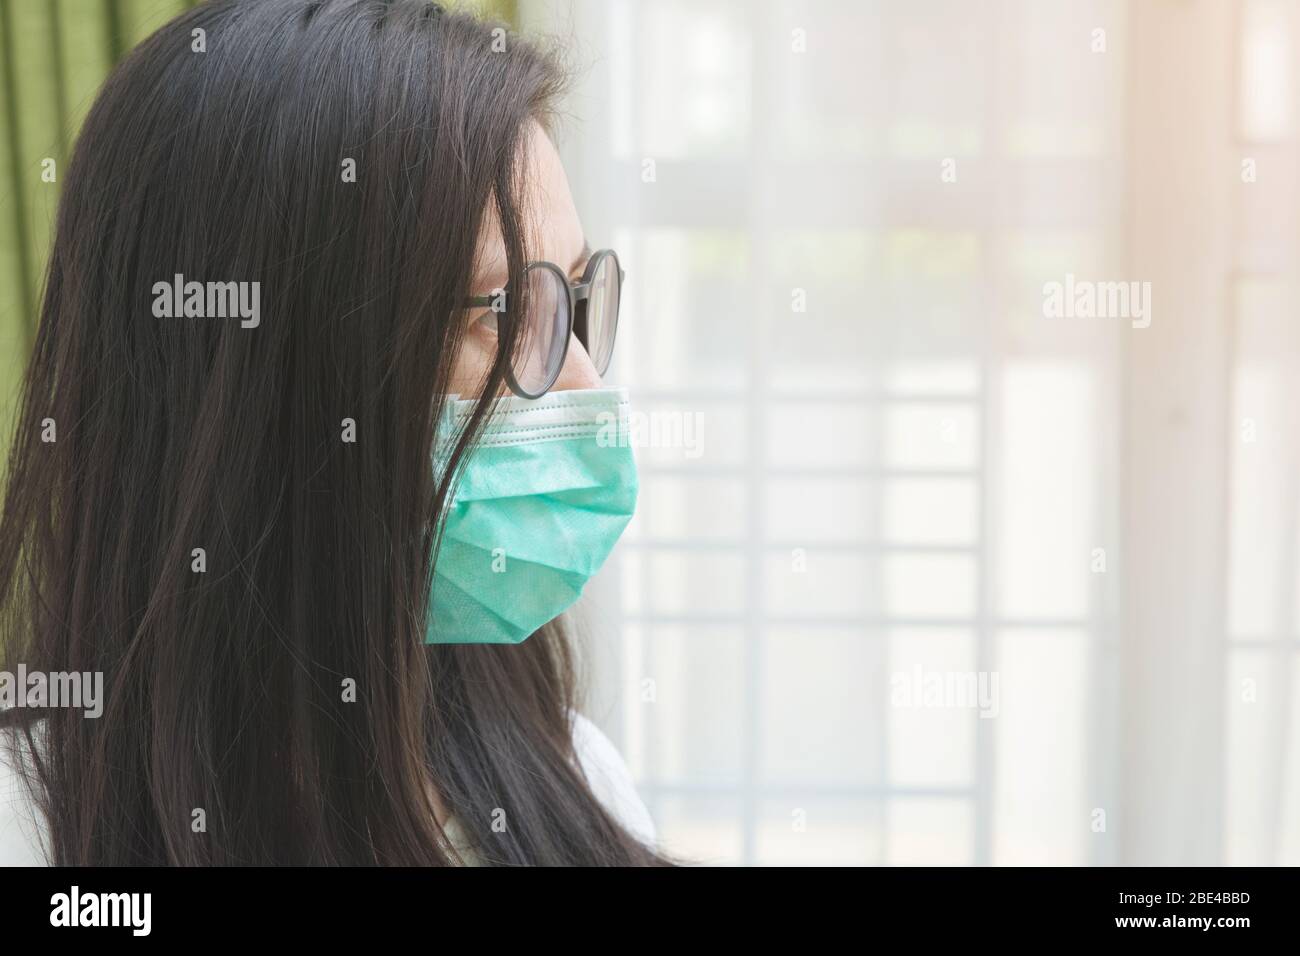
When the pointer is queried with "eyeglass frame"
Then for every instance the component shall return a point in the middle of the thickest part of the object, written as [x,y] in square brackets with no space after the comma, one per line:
[578,293]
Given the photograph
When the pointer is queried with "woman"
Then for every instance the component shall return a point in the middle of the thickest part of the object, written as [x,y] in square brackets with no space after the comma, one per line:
[252,482]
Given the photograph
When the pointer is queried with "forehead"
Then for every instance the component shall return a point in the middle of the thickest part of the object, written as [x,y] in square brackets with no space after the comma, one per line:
[550,215]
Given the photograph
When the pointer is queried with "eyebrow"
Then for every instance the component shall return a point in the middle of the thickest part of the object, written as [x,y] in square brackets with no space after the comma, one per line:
[583,256]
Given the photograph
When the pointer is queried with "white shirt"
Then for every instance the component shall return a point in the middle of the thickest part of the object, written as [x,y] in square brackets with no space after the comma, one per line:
[23,832]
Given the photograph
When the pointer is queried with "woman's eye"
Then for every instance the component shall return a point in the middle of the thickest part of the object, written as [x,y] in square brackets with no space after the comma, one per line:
[488,320]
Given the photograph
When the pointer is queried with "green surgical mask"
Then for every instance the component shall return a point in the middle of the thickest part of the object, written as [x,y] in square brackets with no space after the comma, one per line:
[541,500]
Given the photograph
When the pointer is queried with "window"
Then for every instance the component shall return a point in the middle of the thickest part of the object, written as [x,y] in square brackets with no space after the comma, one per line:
[869,618]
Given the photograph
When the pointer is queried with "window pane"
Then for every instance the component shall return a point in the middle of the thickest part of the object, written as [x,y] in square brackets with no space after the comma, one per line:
[823,712]
[680,582]
[931,832]
[1261,447]
[690,93]
[819,584]
[811,830]
[679,324]
[931,436]
[1257,718]
[1048,474]
[683,704]
[930,511]
[701,830]
[931,730]
[698,509]
[1267,61]
[929,586]
[1042,816]
[820,434]
[807,511]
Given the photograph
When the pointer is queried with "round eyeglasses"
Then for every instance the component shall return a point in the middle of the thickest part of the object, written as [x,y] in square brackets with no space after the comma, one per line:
[555,308]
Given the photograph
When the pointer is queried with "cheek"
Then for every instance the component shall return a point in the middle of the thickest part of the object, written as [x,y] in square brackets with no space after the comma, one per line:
[578,372]
[478,351]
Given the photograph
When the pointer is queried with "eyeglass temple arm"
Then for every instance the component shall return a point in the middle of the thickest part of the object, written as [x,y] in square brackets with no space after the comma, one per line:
[581,290]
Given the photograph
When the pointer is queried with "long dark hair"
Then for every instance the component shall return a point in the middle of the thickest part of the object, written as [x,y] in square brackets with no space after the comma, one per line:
[225,690]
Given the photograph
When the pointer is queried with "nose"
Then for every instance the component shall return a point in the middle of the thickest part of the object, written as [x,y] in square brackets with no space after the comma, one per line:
[577,371]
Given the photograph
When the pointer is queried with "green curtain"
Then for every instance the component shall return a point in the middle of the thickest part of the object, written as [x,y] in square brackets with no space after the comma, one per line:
[54,54]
